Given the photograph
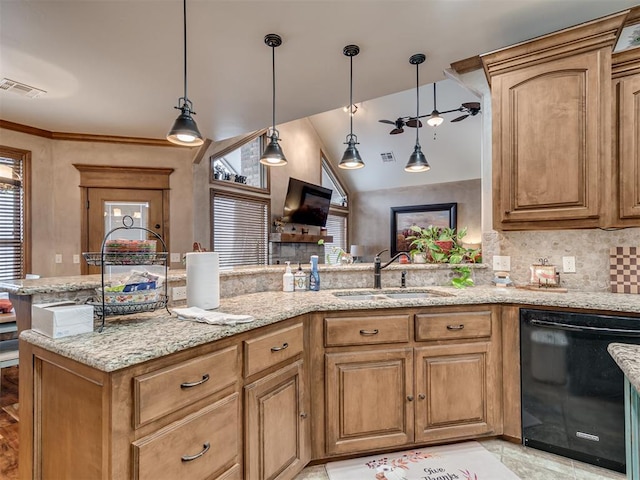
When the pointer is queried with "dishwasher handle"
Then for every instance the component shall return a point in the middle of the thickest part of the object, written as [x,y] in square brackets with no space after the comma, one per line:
[584,328]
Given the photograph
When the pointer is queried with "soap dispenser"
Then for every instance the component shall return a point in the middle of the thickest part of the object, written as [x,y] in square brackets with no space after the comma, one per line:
[287,279]
[314,276]
[299,280]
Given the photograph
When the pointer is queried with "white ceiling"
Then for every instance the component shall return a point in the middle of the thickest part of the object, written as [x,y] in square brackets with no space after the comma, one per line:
[115,67]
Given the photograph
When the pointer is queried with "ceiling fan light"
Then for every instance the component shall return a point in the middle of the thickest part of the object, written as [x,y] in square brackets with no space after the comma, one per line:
[435,119]
[273,154]
[417,161]
[351,159]
[185,131]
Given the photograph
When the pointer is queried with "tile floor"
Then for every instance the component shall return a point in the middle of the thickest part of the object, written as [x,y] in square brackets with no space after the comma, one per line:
[527,463]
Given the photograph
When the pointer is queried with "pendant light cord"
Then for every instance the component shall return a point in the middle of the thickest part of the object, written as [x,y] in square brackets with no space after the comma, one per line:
[351,95]
[417,104]
[434,96]
[273,78]
[184,24]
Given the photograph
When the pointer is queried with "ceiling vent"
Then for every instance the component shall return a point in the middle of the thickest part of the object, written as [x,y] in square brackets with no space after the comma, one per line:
[20,88]
[387,157]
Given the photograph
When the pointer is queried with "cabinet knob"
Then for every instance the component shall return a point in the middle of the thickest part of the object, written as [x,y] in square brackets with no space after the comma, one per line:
[410,398]
[422,396]
[303,415]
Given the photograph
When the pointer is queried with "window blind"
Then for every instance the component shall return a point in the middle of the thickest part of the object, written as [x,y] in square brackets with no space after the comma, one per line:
[12,226]
[240,230]
[336,228]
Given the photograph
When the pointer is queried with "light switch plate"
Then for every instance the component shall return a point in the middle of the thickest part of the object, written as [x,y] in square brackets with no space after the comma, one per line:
[58,258]
[76,258]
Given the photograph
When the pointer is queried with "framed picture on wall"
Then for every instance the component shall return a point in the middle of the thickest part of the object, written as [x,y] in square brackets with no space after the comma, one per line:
[402,218]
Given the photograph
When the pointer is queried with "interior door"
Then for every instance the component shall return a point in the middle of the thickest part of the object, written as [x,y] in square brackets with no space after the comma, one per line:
[107,207]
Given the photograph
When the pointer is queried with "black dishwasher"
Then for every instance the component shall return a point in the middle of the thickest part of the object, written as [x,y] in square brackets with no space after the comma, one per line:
[572,390]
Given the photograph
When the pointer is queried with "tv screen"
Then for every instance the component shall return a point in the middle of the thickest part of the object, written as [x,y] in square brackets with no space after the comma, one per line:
[306,203]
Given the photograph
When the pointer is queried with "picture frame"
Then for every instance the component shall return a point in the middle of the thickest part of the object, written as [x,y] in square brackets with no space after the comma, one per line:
[402,218]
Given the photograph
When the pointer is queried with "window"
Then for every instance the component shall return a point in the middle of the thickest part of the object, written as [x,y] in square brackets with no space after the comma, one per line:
[239,165]
[330,180]
[14,245]
[240,229]
[336,228]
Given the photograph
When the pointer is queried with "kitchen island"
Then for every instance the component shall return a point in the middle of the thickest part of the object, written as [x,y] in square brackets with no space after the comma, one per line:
[137,399]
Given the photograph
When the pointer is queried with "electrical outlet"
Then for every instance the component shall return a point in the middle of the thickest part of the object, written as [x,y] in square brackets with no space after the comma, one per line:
[76,258]
[502,263]
[58,258]
[179,293]
[568,264]
[175,257]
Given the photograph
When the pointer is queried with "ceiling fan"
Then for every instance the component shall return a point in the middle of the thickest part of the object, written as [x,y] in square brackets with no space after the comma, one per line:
[435,117]
[401,122]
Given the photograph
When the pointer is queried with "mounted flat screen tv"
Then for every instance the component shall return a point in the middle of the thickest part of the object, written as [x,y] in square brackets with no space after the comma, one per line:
[306,204]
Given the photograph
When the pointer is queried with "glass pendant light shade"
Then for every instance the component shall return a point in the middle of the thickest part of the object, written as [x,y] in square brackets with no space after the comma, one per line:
[273,154]
[435,119]
[185,131]
[351,159]
[417,161]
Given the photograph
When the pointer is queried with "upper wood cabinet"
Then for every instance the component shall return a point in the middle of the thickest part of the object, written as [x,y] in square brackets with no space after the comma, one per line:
[551,103]
[626,135]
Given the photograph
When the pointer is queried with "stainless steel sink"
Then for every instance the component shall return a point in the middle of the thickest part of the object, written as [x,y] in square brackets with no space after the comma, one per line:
[361,296]
[404,295]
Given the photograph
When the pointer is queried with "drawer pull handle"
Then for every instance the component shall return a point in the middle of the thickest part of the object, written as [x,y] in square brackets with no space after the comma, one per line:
[189,458]
[455,327]
[277,349]
[369,332]
[205,377]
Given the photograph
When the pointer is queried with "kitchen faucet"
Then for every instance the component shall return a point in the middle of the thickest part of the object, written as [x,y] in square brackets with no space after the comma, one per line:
[377,266]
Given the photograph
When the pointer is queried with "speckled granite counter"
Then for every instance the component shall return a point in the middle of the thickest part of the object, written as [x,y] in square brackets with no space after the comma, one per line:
[134,339]
[627,357]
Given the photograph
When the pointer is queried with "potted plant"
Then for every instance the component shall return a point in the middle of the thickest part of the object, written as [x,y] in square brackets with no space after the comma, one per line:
[436,243]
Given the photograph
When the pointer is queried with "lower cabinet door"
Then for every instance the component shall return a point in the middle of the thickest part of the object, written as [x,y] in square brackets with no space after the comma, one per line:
[455,385]
[204,445]
[369,400]
[277,425]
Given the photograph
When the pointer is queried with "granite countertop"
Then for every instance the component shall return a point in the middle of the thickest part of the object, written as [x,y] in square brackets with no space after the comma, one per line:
[627,356]
[133,339]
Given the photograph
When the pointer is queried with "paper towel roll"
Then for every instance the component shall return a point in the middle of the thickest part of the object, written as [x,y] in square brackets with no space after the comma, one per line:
[203,280]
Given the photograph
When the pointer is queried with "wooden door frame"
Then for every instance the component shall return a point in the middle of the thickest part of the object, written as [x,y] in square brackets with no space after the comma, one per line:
[117,177]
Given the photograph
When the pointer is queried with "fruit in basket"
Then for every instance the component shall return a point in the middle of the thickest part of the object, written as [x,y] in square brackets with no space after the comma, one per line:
[5,305]
[126,246]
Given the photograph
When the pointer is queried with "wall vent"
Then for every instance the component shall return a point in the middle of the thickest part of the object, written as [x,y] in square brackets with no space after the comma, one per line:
[20,88]
[387,157]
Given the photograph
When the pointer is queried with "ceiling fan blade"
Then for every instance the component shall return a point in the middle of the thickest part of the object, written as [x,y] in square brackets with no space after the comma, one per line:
[471,105]
[396,131]
[460,118]
[413,123]
[387,121]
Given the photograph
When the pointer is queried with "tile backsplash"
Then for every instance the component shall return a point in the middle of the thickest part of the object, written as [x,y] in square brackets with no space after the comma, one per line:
[590,248]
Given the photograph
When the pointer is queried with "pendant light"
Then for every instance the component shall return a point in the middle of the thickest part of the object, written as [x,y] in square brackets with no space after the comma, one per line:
[351,159]
[185,131]
[434,119]
[273,154]
[417,161]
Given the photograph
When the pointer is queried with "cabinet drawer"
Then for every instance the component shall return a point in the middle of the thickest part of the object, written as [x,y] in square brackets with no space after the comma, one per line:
[339,331]
[205,444]
[270,349]
[444,326]
[164,391]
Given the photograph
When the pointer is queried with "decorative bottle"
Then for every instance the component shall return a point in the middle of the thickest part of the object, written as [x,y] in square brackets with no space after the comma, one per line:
[287,279]
[314,276]
[299,280]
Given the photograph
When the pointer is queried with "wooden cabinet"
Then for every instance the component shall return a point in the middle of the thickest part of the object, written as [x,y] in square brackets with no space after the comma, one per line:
[367,399]
[440,382]
[551,103]
[277,422]
[626,135]
[178,416]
